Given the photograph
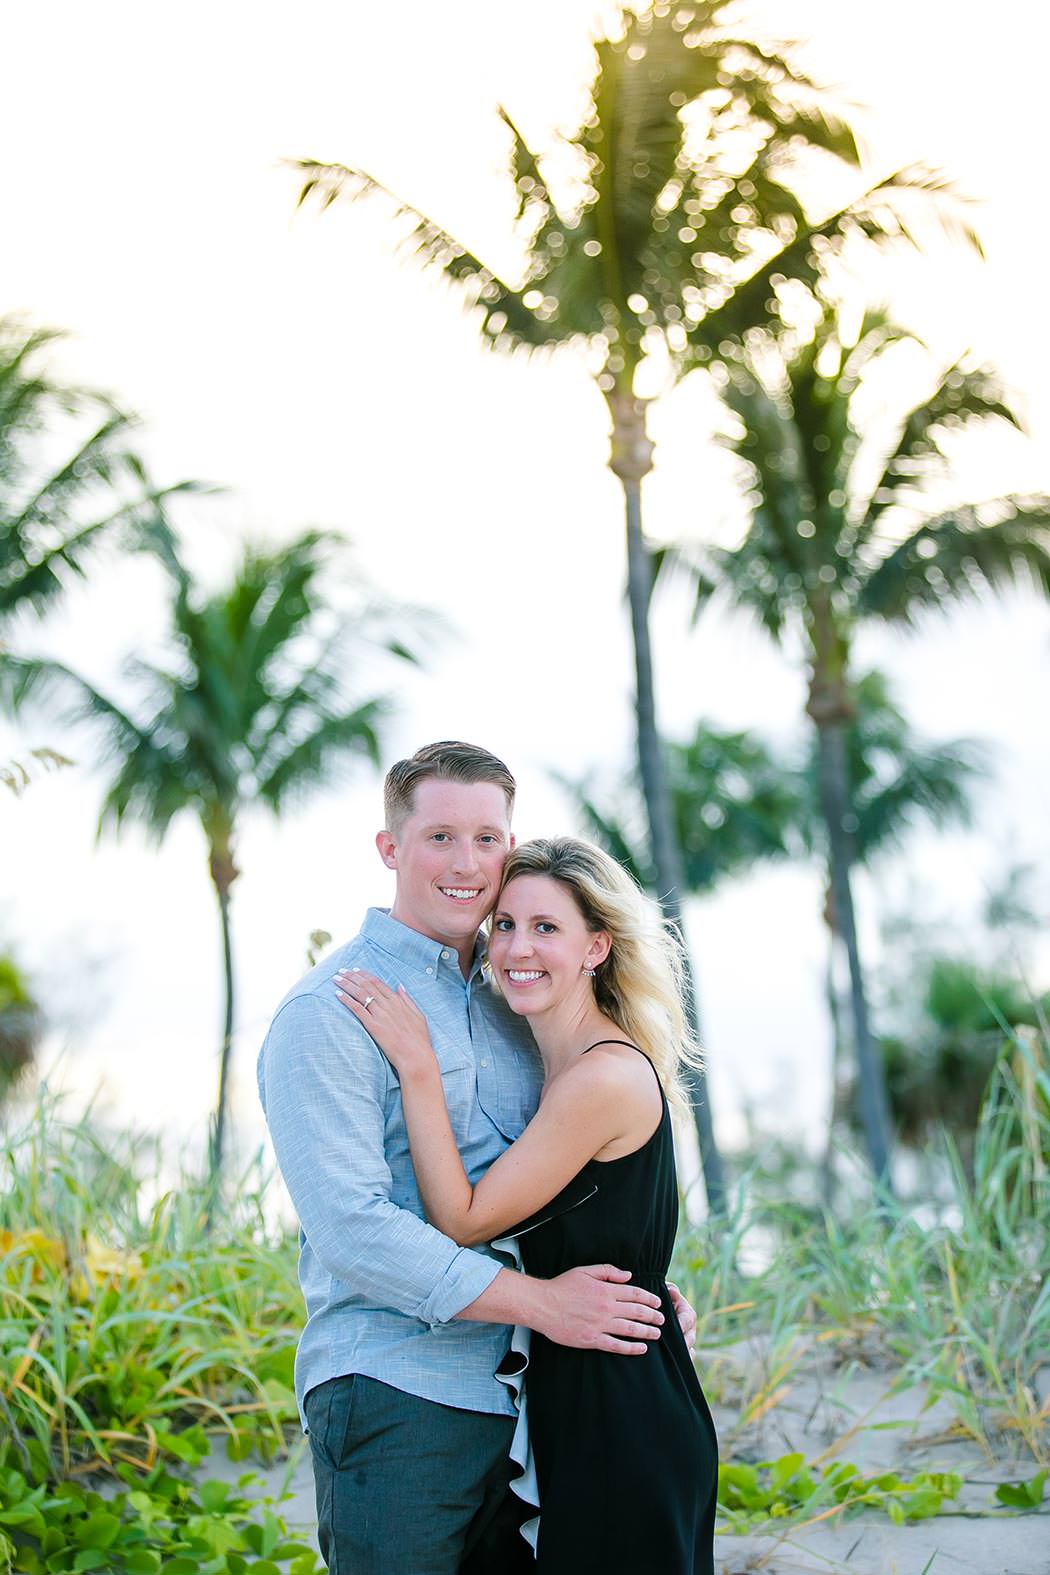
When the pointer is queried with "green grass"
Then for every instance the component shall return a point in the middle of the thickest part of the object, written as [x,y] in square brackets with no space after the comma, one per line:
[954,1297]
[121,1323]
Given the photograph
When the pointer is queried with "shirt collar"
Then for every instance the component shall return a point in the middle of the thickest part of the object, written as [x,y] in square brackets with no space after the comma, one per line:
[412,948]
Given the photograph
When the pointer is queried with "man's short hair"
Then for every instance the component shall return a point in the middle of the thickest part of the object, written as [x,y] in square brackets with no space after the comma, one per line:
[448,761]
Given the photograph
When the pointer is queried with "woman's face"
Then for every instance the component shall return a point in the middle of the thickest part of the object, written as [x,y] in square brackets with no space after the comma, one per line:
[540,945]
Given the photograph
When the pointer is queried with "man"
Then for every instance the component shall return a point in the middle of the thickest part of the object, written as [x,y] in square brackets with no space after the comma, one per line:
[395,1373]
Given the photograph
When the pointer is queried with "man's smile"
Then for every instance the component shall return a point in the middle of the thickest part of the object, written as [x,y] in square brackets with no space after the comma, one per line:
[460,893]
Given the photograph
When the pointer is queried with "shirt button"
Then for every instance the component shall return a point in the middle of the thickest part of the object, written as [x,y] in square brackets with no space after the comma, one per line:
[445,956]
[484,1061]
[430,970]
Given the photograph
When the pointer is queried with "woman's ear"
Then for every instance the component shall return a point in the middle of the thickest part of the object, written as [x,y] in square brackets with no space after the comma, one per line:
[599,949]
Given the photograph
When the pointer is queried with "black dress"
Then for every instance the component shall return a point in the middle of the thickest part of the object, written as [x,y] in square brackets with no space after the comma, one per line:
[625,1448]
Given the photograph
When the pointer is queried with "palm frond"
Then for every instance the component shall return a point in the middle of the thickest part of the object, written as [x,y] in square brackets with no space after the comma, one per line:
[907,204]
[24,681]
[149,785]
[103,457]
[529,182]
[767,440]
[52,518]
[312,760]
[932,783]
[964,396]
[896,779]
[34,578]
[961,552]
[608,828]
[17,776]
[734,804]
[503,314]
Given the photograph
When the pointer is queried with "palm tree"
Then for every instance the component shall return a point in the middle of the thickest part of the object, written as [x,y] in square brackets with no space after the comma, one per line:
[669,233]
[845,530]
[897,782]
[734,803]
[737,802]
[53,515]
[897,779]
[249,707]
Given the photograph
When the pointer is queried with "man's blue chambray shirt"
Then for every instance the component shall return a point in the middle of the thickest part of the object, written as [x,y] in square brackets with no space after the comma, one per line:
[382,1287]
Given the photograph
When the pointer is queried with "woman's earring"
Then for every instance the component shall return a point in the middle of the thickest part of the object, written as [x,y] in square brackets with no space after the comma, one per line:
[590,972]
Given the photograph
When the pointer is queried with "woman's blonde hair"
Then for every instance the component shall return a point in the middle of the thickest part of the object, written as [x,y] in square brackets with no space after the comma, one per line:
[640,984]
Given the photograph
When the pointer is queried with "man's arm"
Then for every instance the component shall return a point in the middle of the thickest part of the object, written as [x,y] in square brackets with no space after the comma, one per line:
[322,1082]
[323,1085]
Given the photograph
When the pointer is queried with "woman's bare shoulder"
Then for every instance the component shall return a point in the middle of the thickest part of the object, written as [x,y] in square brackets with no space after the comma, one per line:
[619,1069]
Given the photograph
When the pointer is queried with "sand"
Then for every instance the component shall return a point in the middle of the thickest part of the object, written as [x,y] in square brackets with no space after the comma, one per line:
[845,1404]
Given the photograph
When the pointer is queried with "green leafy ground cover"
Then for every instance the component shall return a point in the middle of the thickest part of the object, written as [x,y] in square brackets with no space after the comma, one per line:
[133,1345]
[161,1522]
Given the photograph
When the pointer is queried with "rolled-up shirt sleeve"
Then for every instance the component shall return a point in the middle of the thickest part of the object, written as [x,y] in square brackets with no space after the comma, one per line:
[322,1082]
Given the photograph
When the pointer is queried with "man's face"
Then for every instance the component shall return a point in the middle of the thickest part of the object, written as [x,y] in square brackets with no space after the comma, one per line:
[449,856]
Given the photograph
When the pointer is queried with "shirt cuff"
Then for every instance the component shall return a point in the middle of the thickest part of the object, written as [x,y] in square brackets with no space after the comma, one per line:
[463,1281]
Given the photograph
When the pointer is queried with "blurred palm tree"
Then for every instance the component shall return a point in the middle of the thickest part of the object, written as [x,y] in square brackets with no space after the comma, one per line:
[250,707]
[849,525]
[897,779]
[737,802]
[70,477]
[734,803]
[897,782]
[665,224]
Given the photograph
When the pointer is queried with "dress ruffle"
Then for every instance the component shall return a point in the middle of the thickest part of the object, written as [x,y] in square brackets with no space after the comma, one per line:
[511,1371]
[514,1366]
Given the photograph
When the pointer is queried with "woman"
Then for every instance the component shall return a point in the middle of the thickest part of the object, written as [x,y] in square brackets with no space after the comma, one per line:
[625,1451]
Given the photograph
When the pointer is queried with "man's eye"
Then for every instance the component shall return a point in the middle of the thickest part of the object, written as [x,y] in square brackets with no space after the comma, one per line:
[488,837]
[440,836]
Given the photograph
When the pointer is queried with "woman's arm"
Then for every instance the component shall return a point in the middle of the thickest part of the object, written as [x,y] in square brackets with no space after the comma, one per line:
[584,1109]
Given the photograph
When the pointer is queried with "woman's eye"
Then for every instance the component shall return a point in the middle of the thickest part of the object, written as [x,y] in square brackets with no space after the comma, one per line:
[503,924]
[545,928]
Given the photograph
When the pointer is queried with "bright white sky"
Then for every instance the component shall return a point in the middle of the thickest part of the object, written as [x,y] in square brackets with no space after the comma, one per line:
[295,361]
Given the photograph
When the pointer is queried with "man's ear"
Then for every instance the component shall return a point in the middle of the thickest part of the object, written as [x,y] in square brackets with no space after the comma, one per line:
[387,849]
[513,842]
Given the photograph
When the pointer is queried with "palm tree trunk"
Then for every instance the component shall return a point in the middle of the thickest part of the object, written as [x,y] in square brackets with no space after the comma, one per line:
[632,460]
[223,873]
[838,1060]
[834,798]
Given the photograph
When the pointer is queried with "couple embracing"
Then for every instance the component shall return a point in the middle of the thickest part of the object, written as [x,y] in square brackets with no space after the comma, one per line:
[432,1090]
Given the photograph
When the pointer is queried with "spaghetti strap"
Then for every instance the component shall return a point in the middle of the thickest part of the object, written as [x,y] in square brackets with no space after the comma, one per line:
[630,1046]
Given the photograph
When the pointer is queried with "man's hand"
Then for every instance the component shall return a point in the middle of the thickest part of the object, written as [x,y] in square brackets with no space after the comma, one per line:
[686,1316]
[596,1309]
